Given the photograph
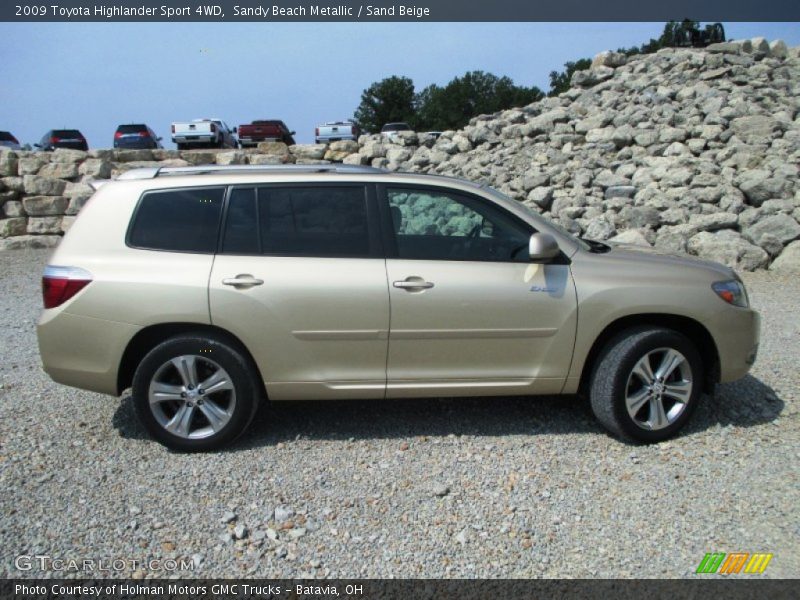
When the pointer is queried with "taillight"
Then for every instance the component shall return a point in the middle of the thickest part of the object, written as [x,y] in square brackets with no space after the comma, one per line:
[59,284]
[117,135]
[173,129]
[316,131]
[143,134]
[54,140]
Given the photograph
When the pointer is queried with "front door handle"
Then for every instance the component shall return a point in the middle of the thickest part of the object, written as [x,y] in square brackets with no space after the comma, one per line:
[243,280]
[413,284]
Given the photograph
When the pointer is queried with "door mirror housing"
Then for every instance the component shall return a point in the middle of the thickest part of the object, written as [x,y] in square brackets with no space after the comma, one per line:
[542,247]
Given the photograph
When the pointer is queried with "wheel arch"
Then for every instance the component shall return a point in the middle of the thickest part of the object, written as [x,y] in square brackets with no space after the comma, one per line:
[149,337]
[692,329]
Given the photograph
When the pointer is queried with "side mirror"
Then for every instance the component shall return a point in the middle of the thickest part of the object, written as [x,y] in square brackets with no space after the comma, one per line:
[159,139]
[38,145]
[543,247]
[292,132]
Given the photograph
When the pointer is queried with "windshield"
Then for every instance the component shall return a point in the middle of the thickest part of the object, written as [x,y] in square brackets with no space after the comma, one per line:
[396,127]
[550,223]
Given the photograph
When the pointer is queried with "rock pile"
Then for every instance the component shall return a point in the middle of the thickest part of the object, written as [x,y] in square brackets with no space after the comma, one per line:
[686,150]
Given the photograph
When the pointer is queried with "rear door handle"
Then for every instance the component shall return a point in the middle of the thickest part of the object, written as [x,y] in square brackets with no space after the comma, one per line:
[243,280]
[413,284]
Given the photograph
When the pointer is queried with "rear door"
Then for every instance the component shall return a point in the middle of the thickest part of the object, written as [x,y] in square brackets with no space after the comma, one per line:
[470,313]
[300,278]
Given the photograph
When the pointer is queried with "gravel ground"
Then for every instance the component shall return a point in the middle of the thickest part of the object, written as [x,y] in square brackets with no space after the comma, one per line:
[416,488]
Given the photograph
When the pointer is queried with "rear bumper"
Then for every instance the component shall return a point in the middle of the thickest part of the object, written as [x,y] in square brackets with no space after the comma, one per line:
[137,145]
[194,139]
[72,356]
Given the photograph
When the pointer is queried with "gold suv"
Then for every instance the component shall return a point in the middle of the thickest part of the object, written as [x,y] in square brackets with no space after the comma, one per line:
[209,289]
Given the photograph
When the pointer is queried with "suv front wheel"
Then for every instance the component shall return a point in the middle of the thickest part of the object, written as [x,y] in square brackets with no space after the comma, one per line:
[646,384]
[195,393]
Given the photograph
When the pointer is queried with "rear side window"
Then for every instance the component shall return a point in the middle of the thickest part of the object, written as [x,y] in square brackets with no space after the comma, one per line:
[6,137]
[178,220]
[298,221]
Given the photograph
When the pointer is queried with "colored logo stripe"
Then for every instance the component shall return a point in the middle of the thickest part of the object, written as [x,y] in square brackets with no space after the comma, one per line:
[714,562]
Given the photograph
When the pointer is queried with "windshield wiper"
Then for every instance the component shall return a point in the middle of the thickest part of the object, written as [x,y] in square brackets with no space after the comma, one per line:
[595,246]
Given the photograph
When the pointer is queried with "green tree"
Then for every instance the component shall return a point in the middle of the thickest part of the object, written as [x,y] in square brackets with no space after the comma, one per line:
[475,93]
[386,101]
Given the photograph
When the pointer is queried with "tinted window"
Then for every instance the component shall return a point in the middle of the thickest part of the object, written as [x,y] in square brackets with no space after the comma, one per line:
[67,133]
[317,221]
[298,221]
[241,223]
[6,137]
[443,226]
[180,220]
[396,127]
[131,128]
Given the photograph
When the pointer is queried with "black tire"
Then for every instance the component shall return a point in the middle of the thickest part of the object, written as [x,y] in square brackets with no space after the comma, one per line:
[242,402]
[181,146]
[613,380]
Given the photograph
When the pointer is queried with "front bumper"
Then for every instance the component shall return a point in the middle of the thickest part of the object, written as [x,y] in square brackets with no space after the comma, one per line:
[737,337]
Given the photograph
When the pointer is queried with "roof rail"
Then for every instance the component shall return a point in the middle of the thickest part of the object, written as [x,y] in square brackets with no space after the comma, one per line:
[153,172]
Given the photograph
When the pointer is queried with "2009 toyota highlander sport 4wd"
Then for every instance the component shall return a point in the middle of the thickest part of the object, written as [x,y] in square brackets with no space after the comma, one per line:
[209,289]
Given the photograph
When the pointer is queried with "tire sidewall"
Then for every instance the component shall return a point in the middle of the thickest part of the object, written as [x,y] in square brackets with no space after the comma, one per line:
[228,358]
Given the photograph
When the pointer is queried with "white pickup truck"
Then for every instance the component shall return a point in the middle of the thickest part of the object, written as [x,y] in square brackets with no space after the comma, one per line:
[203,132]
[334,131]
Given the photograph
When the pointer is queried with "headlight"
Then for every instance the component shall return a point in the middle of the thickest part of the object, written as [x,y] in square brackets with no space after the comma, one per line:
[732,292]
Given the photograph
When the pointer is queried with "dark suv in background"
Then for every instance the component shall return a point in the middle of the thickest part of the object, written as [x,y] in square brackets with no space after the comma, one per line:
[136,137]
[63,138]
[9,141]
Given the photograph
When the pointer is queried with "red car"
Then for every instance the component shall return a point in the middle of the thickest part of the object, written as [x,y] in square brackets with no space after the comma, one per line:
[265,131]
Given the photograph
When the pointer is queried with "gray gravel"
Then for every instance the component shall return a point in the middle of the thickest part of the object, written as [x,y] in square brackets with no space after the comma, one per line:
[433,488]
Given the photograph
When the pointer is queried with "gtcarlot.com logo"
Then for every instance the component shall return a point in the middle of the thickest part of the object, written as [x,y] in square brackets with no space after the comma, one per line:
[43,562]
[734,563]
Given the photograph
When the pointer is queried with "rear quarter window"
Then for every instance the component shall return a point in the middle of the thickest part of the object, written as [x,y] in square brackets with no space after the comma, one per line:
[185,220]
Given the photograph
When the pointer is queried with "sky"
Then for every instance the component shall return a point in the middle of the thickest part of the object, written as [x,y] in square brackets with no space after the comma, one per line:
[95,76]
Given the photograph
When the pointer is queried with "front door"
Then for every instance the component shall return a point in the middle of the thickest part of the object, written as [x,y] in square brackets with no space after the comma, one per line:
[300,279]
[471,314]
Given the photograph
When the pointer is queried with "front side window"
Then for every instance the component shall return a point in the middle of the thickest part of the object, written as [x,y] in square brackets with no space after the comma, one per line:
[436,225]
[178,220]
[298,221]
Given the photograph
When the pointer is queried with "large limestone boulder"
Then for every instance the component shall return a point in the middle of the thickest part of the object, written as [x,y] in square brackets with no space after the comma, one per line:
[729,248]
[788,261]
[308,151]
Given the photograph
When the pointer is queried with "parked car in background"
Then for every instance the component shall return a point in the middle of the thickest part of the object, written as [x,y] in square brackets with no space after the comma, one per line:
[392,129]
[207,290]
[9,141]
[265,130]
[434,134]
[136,137]
[335,131]
[213,133]
[62,138]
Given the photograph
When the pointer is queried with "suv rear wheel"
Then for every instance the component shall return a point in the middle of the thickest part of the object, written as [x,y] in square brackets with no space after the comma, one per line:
[646,384]
[195,393]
